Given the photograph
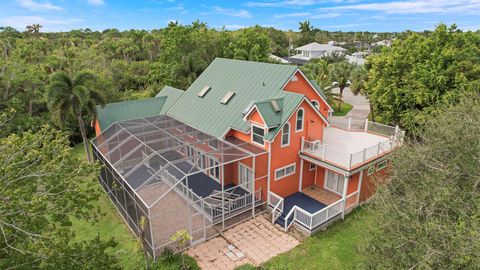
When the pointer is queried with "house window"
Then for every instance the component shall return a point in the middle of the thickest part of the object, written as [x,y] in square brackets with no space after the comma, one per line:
[257,134]
[214,169]
[305,54]
[316,104]
[299,123]
[312,166]
[381,165]
[371,170]
[285,171]
[286,135]
[334,182]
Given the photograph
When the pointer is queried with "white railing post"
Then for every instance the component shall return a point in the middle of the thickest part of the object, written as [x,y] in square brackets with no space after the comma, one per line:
[344,197]
[366,125]
[349,123]
[378,149]
[303,143]
[324,151]
[350,161]
[364,154]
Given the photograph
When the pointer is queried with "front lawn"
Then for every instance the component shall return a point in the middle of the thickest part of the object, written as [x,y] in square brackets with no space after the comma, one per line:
[344,109]
[334,248]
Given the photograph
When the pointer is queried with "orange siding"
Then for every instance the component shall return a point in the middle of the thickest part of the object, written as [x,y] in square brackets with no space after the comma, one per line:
[302,86]
[353,183]
[283,156]
[369,183]
[308,176]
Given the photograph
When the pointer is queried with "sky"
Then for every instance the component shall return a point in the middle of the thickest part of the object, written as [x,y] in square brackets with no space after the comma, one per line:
[332,15]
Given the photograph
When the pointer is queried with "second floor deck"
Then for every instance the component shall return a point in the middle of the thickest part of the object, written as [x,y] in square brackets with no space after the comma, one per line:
[350,143]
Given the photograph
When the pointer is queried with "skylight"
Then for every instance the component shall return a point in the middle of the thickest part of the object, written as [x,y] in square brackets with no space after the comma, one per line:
[275,105]
[227,97]
[204,91]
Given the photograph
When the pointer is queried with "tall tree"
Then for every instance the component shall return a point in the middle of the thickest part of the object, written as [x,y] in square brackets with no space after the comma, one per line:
[189,69]
[73,95]
[43,185]
[306,32]
[358,81]
[421,71]
[340,73]
[426,215]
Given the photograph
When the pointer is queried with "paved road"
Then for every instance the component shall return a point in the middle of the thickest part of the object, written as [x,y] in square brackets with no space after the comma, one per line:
[360,109]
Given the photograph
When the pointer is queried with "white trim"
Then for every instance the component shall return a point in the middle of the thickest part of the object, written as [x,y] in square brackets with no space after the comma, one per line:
[251,134]
[338,180]
[252,182]
[315,89]
[300,183]
[314,100]
[289,132]
[303,119]
[371,168]
[283,168]
[263,119]
[293,112]
[310,166]
[382,165]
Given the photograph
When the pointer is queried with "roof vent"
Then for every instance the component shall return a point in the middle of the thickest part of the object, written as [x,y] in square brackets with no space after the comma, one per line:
[227,97]
[275,105]
[204,91]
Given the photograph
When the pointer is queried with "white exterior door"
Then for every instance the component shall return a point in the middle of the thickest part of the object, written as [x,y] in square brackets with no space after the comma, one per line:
[334,182]
[245,177]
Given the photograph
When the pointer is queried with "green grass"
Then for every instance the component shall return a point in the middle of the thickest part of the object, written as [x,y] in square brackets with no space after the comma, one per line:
[110,224]
[344,109]
[334,248]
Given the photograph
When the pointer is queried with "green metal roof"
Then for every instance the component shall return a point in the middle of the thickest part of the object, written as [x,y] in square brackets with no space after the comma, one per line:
[172,95]
[251,81]
[271,117]
[126,110]
[290,102]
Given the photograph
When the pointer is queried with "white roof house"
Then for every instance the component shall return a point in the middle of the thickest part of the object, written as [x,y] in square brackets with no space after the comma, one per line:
[315,50]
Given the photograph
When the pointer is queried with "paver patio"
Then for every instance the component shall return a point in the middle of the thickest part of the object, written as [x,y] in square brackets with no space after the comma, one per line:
[258,240]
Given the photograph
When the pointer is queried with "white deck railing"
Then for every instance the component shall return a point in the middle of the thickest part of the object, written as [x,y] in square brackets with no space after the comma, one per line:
[237,203]
[276,202]
[312,221]
[351,160]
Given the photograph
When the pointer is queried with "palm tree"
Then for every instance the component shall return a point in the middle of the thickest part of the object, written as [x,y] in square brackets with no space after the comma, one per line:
[319,71]
[72,95]
[359,80]
[306,31]
[190,68]
[340,72]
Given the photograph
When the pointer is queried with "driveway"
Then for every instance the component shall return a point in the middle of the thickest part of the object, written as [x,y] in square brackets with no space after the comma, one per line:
[360,109]
[254,241]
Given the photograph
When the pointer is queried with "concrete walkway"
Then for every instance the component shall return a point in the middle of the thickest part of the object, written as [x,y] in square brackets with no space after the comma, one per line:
[254,241]
[360,109]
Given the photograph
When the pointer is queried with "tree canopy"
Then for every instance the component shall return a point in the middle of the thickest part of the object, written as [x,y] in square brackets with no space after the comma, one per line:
[426,216]
[42,187]
[420,71]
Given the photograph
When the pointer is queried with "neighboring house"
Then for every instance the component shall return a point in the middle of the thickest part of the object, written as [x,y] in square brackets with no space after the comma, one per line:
[278,59]
[357,58]
[244,138]
[385,42]
[315,50]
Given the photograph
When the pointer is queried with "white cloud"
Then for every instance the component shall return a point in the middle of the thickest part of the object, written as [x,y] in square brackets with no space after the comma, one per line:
[232,12]
[32,5]
[96,2]
[180,8]
[415,7]
[48,25]
[306,15]
[286,3]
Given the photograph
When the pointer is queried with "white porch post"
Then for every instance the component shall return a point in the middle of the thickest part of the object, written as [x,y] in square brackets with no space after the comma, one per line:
[349,123]
[344,197]
[366,125]
[268,174]
[359,185]
[223,195]
[300,183]
[253,186]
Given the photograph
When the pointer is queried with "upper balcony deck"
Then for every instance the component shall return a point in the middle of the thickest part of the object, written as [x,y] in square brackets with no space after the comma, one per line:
[350,143]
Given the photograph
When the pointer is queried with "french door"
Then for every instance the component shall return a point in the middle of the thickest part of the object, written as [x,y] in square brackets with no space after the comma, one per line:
[334,182]
[245,177]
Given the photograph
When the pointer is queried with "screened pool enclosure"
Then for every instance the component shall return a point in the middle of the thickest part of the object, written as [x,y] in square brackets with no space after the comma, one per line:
[164,176]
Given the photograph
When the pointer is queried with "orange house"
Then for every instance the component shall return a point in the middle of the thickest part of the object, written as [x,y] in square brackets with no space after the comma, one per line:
[244,137]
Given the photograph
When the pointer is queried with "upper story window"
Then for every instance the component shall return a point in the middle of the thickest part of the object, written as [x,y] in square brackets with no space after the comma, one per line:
[306,54]
[299,122]
[257,134]
[286,135]
[316,104]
